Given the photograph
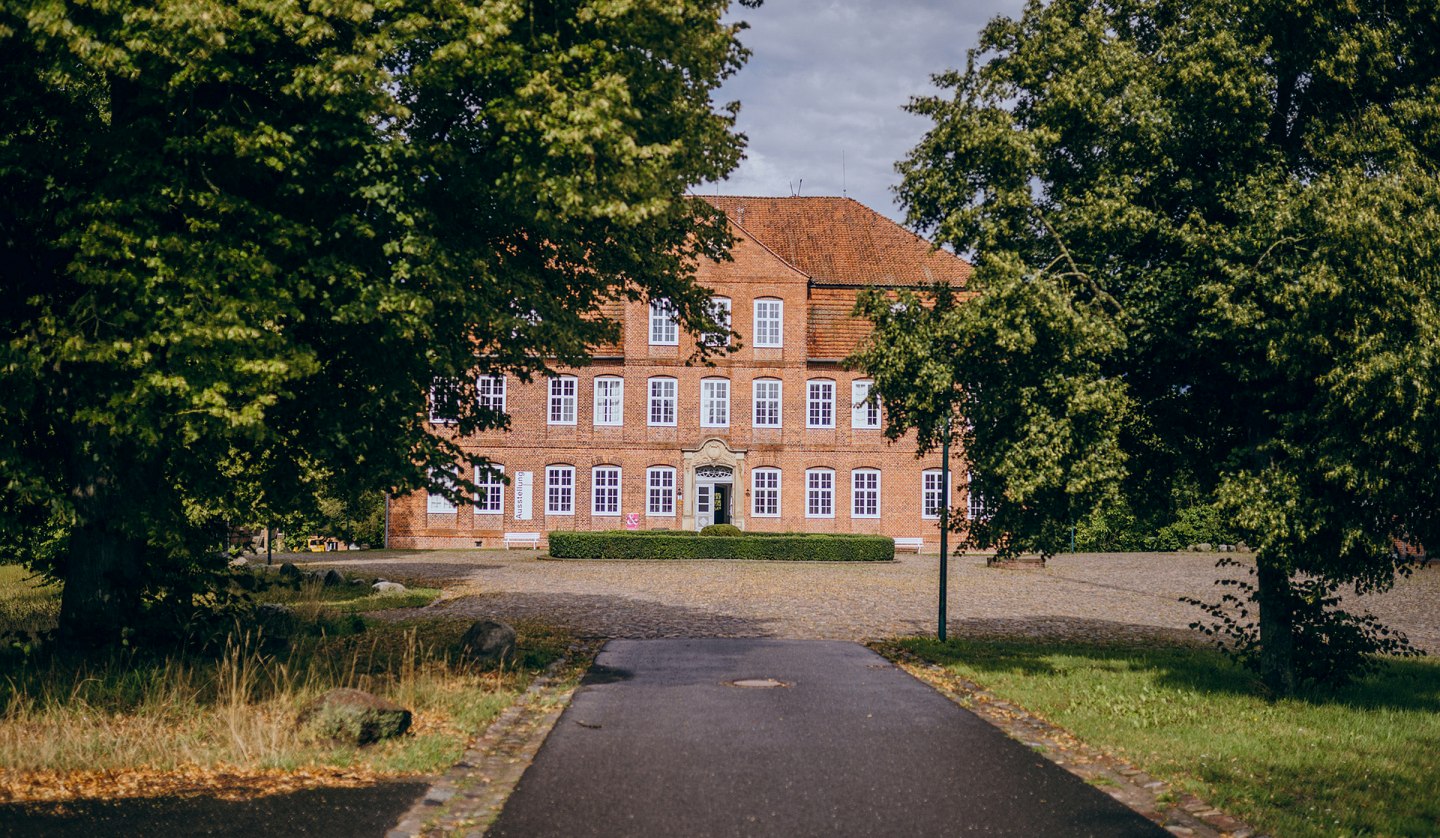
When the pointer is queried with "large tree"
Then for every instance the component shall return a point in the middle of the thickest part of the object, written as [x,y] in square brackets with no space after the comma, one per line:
[241,241]
[1206,237]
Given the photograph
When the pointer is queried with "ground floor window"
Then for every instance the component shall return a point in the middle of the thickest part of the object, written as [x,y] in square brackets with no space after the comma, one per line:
[819,493]
[559,490]
[490,483]
[660,494]
[933,489]
[865,493]
[765,493]
[605,491]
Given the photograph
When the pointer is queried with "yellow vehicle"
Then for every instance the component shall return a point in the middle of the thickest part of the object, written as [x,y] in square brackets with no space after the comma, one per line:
[320,544]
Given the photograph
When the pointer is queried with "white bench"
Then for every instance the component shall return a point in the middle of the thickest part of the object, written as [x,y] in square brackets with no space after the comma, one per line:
[909,544]
[529,540]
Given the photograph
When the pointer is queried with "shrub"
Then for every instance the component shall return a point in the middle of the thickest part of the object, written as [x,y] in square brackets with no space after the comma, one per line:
[623,544]
[721,529]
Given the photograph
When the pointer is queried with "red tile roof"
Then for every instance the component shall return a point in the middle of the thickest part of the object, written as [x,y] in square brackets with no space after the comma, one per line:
[842,245]
[840,240]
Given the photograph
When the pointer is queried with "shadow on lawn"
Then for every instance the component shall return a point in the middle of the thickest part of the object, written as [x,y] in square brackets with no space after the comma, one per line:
[1401,684]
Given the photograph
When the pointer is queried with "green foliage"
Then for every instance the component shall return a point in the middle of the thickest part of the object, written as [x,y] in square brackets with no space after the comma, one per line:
[241,242]
[721,529]
[790,547]
[1332,647]
[1206,251]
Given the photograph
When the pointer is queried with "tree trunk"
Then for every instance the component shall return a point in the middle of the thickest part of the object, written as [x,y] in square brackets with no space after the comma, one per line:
[1277,637]
[100,596]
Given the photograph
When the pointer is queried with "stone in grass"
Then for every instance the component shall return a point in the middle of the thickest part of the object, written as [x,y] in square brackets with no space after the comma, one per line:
[353,717]
[288,570]
[488,643]
[332,578]
[383,587]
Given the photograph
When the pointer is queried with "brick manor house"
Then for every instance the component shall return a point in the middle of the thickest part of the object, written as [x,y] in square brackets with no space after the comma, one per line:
[774,437]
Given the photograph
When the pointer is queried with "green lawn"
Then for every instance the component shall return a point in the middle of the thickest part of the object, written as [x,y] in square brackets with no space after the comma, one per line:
[1361,761]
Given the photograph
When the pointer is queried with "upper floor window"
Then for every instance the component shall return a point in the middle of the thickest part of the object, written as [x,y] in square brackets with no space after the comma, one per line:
[769,322]
[934,498]
[820,403]
[559,490]
[490,392]
[662,401]
[766,400]
[605,490]
[444,401]
[865,493]
[660,490]
[765,493]
[714,403]
[664,330]
[863,414]
[490,486]
[720,312]
[609,400]
[437,503]
[819,493]
[562,400]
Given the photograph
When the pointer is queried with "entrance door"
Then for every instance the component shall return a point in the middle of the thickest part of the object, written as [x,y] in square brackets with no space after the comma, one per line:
[704,510]
[721,502]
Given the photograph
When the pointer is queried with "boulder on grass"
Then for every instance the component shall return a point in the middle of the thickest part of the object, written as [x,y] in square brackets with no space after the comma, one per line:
[288,570]
[239,561]
[488,643]
[353,717]
[332,578]
[388,588]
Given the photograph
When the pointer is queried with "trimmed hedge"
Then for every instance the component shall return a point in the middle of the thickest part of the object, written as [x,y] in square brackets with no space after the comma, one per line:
[774,546]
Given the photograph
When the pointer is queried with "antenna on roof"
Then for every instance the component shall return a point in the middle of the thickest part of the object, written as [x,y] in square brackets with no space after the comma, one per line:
[843,192]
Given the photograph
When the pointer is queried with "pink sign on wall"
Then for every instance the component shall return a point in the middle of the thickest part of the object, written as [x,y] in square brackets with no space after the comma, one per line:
[632,520]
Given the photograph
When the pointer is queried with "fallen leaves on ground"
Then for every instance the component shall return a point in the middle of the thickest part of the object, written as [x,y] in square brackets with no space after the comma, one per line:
[221,782]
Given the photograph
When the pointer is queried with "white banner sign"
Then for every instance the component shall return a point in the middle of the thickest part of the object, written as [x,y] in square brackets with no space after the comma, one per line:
[524,484]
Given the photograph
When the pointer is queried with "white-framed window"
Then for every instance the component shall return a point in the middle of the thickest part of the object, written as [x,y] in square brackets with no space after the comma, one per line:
[865,493]
[490,392]
[720,312]
[974,504]
[490,485]
[662,401]
[820,403]
[769,322]
[660,490]
[715,403]
[562,400]
[664,330]
[766,399]
[609,400]
[765,493]
[605,490]
[819,493]
[559,490]
[863,414]
[444,398]
[438,504]
[933,497]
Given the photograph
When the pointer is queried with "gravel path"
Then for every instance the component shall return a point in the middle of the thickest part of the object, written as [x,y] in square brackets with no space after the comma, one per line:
[1089,596]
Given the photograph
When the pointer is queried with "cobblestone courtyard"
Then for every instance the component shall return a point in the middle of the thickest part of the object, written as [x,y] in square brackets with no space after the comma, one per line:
[1126,595]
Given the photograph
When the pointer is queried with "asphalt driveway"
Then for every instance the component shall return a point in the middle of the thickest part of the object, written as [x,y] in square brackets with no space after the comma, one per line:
[761,737]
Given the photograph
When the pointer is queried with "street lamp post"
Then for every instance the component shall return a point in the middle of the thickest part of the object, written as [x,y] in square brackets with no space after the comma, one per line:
[944,522]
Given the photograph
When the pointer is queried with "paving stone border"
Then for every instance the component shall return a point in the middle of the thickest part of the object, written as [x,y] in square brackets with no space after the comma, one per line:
[1179,814]
[466,799]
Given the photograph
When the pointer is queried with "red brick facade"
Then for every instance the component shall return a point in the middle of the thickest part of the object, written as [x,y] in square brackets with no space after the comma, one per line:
[784,245]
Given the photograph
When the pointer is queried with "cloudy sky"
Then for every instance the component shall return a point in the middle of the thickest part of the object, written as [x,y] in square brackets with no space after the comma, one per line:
[829,78]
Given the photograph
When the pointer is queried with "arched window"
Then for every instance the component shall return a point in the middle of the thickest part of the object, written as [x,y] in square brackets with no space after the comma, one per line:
[934,498]
[490,485]
[660,491]
[559,490]
[605,490]
[715,403]
[662,401]
[820,403]
[664,331]
[769,322]
[609,400]
[562,400]
[864,415]
[865,493]
[820,493]
[765,493]
[720,312]
[766,401]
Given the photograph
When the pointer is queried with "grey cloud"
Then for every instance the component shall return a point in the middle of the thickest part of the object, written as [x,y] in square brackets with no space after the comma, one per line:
[831,76]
